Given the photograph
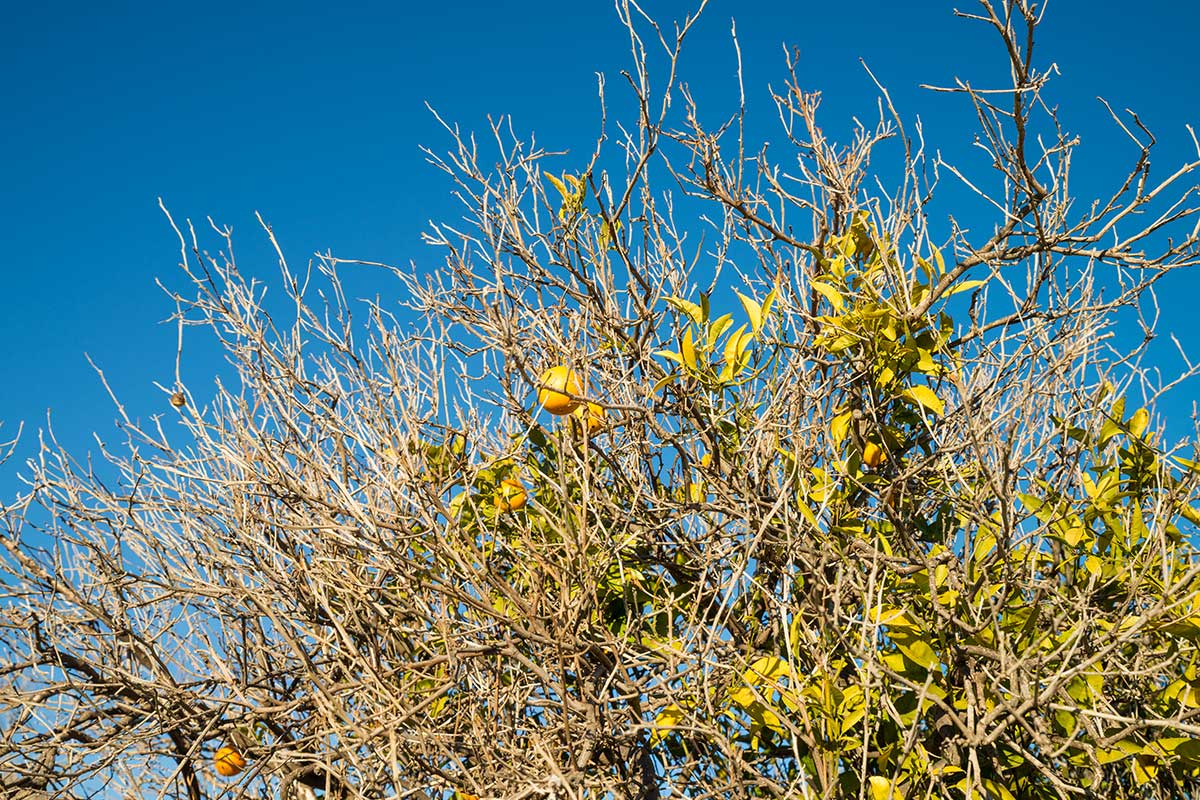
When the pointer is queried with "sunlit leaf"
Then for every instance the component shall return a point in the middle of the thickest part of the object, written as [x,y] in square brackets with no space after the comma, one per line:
[693,311]
[753,311]
[927,398]
[829,293]
[688,350]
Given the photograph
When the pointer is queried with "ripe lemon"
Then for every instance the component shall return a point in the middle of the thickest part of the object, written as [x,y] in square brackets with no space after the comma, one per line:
[229,761]
[511,495]
[873,455]
[557,389]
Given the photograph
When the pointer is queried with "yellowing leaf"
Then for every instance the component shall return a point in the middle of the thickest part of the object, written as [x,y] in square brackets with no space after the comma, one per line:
[963,287]
[997,790]
[919,651]
[693,311]
[894,618]
[766,303]
[688,350]
[927,398]
[839,428]
[768,669]
[829,293]
[671,354]
[664,382]
[733,345]
[1138,422]
[753,311]
[562,190]
[718,327]
[883,789]
[667,719]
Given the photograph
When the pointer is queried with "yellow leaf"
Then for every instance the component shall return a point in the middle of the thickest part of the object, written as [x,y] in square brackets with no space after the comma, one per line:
[688,350]
[718,327]
[693,311]
[667,719]
[753,311]
[829,293]
[963,287]
[768,669]
[733,345]
[1138,422]
[839,428]
[664,382]
[937,258]
[744,696]
[562,190]
[927,398]
[883,789]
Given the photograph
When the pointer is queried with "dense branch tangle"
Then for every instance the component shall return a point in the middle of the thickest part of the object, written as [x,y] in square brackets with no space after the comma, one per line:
[848,532]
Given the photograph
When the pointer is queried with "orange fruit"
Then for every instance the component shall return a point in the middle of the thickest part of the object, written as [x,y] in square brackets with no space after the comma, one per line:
[558,390]
[511,495]
[229,761]
[594,414]
[873,455]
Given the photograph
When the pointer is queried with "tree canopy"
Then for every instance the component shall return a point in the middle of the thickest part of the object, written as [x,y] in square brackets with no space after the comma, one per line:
[704,471]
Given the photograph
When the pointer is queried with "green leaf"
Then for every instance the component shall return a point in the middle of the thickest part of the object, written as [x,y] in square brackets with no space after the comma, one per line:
[927,398]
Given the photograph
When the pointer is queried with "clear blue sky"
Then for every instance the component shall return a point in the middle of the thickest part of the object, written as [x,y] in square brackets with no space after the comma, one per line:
[313,114]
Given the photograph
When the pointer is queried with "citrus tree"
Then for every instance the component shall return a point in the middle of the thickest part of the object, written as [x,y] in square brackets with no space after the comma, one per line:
[699,474]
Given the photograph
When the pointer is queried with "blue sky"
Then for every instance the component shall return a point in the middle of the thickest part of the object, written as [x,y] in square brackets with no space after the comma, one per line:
[313,116]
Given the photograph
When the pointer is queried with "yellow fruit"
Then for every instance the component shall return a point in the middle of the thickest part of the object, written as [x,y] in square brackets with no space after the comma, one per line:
[593,414]
[511,495]
[229,761]
[557,389]
[873,455]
